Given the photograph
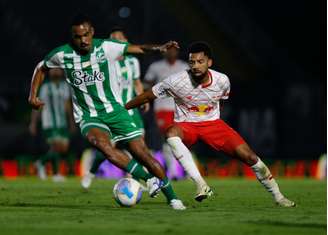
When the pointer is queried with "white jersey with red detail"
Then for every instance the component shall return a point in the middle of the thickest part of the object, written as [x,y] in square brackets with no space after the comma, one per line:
[194,102]
[157,72]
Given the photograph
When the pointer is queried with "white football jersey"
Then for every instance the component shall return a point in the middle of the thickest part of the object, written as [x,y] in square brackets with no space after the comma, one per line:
[194,102]
[156,73]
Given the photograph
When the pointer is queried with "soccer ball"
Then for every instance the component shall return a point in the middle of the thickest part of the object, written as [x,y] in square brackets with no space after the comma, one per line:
[127,192]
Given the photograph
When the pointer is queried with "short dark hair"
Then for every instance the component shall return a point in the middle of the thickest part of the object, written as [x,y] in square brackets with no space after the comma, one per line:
[81,18]
[117,28]
[197,47]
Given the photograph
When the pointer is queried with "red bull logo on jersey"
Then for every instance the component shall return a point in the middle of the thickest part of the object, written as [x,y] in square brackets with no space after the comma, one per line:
[80,77]
[201,109]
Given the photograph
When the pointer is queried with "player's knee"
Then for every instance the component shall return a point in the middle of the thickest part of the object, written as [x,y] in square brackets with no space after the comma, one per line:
[246,154]
[92,139]
[172,132]
[55,147]
[250,158]
[97,142]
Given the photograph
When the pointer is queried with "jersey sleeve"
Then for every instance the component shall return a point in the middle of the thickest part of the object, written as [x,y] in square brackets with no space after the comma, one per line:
[226,88]
[52,60]
[163,89]
[136,68]
[150,74]
[114,49]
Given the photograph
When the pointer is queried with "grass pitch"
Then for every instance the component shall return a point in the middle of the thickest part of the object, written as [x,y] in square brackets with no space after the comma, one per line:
[30,206]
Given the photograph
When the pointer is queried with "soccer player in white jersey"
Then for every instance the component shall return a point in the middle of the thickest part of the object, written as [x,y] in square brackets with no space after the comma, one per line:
[164,108]
[89,68]
[128,70]
[56,118]
[197,94]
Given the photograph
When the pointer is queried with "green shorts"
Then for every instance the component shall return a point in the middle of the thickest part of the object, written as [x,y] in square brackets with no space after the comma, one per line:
[137,119]
[119,125]
[56,134]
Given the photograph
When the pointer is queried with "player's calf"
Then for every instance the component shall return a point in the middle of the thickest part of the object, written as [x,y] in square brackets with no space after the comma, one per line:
[140,151]
[263,175]
[183,155]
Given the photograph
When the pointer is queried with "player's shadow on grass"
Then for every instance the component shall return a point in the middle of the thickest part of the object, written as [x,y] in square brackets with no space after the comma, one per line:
[114,206]
[288,224]
[63,206]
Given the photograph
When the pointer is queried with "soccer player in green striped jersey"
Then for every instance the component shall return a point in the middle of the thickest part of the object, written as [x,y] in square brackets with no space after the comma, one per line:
[128,70]
[56,119]
[97,104]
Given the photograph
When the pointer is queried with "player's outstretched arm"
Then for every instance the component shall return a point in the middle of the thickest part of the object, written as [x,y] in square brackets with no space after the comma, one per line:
[37,79]
[140,49]
[139,89]
[141,99]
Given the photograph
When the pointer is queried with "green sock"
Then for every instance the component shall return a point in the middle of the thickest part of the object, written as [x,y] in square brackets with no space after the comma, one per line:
[99,158]
[137,171]
[168,191]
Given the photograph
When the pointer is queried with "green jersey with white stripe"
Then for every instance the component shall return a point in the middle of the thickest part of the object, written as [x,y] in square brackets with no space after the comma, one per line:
[54,95]
[93,77]
[128,70]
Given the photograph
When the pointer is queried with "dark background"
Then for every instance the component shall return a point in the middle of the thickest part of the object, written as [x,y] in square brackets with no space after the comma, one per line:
[274,53]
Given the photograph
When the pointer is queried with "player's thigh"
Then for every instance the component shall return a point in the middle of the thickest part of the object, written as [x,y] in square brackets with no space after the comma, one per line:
[186,131]
[63,140]
[100,139]
[164,119]
[97,133]
[57,139]
[221,136]
[60,145]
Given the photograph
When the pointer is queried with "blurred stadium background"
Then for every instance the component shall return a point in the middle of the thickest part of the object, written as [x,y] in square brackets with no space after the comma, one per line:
[273,51]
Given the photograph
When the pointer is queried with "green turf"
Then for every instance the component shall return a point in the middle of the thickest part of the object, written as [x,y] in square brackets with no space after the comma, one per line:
[29,206]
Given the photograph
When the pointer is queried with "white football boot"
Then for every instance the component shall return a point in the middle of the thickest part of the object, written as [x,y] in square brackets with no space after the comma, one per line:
[177,204]
[284,202]
[154,186]
[87,180]
[203,192]
[58,178]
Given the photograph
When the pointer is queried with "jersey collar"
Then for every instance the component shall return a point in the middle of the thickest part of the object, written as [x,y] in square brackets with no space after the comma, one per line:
[210,82]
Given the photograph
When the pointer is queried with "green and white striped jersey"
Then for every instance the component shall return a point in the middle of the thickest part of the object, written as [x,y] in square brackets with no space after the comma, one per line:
[93,77]
[128,69]
[54,95]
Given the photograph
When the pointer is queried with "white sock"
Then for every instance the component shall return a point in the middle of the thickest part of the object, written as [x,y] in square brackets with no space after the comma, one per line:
[183,155]
[169,159]
[263,174]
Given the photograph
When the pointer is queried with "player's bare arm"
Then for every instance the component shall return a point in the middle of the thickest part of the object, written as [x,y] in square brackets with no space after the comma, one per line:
[36,82]
[139,89]
[70,117]
[35,117]
[141,49]
[139,100]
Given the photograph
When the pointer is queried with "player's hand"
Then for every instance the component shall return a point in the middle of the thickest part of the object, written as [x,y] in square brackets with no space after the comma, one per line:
[145,107]
[35,102]
[168,45]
